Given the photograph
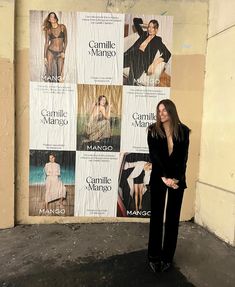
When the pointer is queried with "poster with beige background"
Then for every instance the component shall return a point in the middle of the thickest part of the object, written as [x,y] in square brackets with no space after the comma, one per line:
[99,117]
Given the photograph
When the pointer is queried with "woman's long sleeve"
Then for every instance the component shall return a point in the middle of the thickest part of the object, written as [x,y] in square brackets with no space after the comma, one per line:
[46,170]
[137,23]
[155,156]
[165,53]
[182,157]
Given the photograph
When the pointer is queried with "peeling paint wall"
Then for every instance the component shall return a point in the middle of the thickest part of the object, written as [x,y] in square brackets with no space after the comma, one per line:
[7,114]
[215,201]
[189,48]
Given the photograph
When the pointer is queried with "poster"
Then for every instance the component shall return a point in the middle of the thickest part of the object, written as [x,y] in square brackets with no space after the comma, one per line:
[95,81]
[53,116]
[100,48]
[96,184]
[99,118]
[51,183]
[133,185]
[138,112]
[53,49]
[147,60]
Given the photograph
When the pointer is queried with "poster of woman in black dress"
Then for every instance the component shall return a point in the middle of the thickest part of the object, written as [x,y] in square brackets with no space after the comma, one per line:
[134,176]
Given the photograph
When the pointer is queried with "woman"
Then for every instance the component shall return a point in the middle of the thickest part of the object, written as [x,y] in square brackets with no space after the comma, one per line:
[54,187]
[168,141]
[54,48]
[137,180]
[140,57]
[98,126]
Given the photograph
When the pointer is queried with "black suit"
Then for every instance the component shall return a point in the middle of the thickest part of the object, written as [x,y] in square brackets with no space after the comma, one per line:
[139,61]
[173,166]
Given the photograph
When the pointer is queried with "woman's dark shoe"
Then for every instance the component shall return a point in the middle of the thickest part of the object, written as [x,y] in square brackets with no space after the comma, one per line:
[155,266]
[165,266]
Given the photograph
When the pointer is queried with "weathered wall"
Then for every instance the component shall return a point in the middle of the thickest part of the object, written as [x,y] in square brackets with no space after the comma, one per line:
[215,201]
[189,48]
[7,114]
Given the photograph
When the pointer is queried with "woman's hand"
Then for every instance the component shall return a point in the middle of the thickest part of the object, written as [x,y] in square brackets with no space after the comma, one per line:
[62,55]
[170,182]
[144,26]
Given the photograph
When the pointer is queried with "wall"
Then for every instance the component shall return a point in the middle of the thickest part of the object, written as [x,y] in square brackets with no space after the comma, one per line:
[7,114]
[215,201]
[190,30]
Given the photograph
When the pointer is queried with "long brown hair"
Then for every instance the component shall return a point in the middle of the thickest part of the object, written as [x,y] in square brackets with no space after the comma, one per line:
[155,23]
[47,24]
[175,123]
[99,100]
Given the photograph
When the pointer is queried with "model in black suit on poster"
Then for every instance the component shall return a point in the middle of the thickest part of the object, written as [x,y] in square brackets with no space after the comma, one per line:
[140,56]
[168,141]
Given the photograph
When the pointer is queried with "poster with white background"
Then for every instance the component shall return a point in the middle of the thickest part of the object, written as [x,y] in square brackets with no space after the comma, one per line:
[100,48]
[53,110]
[138,112]
[96,184]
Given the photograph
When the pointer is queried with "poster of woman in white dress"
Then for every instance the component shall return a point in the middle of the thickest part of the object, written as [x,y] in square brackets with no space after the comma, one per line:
[55,189]
[52,183]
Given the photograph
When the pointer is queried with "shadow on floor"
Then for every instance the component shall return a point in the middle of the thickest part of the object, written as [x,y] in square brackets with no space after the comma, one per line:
[125,270]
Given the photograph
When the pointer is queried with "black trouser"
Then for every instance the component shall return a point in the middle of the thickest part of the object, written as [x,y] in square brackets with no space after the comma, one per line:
[159,249]
[137,62]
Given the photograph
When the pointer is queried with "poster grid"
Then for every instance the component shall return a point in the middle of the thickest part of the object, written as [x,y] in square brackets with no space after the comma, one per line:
[95,81]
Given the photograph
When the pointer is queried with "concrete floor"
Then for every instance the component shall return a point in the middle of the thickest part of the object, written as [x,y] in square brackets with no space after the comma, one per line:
[112,254]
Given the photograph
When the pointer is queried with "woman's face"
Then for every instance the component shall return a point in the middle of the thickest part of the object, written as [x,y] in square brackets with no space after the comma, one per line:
[103,101]
[152,30]
[163,114]
[51,158]
[52,18]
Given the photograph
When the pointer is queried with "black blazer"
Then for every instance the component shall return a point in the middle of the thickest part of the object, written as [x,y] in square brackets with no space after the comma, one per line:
[173,166]
[152,48]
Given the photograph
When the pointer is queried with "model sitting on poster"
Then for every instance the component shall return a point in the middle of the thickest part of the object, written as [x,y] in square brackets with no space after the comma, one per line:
[54,187]
[138,179]
[168,141]
[98,126]
[140,57]
[54,48]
